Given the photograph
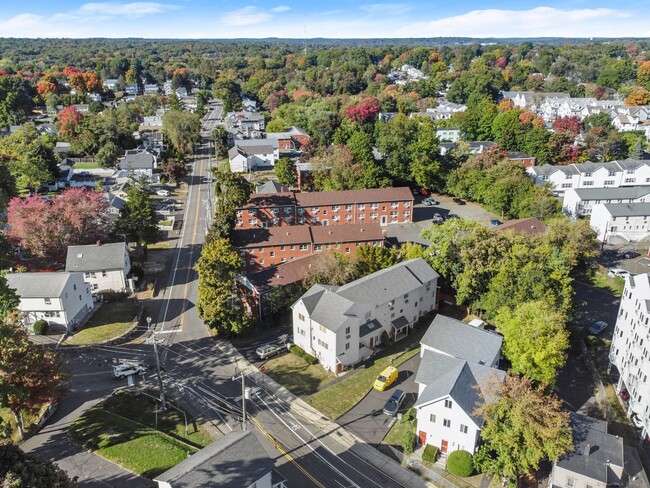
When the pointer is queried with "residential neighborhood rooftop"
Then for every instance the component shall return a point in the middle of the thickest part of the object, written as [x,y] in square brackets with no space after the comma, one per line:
[628,209]
[38,285]
[95,257]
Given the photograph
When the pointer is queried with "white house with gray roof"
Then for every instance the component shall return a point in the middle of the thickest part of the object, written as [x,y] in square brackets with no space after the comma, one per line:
[457,362]
[105,266]
[63,299]
[621,222]
[250,155]
[597,458]
[236,460]
[342,325]
[580,202]
[614,174]
[139,163]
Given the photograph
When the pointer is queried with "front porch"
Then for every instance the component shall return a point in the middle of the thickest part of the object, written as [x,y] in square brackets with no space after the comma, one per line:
[400,328]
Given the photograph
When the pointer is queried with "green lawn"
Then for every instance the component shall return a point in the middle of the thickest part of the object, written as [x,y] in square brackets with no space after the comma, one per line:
[86,166]
[341,397]
[397,431]
[296,375]
[112,320]
[122,431]
[613,285]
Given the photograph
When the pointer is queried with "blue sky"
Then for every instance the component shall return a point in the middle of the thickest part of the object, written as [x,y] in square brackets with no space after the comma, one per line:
[333,18]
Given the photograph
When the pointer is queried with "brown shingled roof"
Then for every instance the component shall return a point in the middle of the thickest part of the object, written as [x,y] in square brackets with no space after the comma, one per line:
[327,234]
[263,200]
[273,236]
[531,226]
[285,273]
[311,199]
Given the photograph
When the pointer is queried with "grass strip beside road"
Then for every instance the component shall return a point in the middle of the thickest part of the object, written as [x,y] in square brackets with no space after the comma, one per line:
[296,375]
[604,282]
[342,396]
[110,321]
[122,430]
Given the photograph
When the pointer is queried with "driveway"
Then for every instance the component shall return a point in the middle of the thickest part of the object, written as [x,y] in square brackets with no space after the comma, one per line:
[423,215]
[367,419]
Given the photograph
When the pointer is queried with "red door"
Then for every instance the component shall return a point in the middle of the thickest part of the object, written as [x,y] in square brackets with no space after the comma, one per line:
[443,446]
[339,367]
[422,437]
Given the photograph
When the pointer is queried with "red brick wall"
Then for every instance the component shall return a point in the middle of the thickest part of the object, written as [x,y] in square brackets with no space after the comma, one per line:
[255,260]
[357,213]
[253,218]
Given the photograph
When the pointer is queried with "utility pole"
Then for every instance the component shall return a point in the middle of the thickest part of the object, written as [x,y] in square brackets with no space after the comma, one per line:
[160,383]
[243,401]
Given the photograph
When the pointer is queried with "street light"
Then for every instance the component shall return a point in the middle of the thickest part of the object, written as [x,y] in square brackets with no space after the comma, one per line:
[148,323]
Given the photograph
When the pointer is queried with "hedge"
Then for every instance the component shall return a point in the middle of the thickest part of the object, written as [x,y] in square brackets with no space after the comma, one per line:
[40,327]
[300,352]
[460,463]
[430,453]
[408,442]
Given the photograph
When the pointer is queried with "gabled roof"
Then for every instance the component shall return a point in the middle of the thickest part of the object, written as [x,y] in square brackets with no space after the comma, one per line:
[628,209]
[594,449]
[96,257]
[620,193]
[283,274]
[235,460]
[446,376]
[38,285]
[375,195]
[462,341]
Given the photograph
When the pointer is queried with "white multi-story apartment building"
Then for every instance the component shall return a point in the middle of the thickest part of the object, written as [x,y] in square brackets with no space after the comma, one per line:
[580,202]
[105,266]
[630,349]
[616,222]
[63,299]
[457,362]
[342,325]
[615,174]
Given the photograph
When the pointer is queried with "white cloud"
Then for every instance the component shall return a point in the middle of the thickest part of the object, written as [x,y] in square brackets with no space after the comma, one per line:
[246,16]
[536,22]
[387,9]
[281,8]
[132,9]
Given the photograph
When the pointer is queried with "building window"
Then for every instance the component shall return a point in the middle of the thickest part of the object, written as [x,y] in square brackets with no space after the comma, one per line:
[447,403]
[570,482]
[347,346]
[609,182]
[48,301]
[588,174]
[347,250]
[301,317]
[374,206]
[566,185]
[348,217]
[261,261]
[314,210]
[303,247]
[74,287]
[407,213]
[446,422]
[348,208]
[373,215]
[407,204]
[362,206]
[362,216]
[432,418]
[463,428]
[317,247]
[261,249]
[283,260]
[393,214]
[287,210]
[347,330]
[630,180]
[323,344]
[336,208]
[394,205]
[589,183]
[292,247]
[275,210]
[612,173]
[322,328]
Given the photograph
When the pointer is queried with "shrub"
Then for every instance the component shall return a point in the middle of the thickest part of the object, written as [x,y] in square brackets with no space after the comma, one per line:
[408,442]
[385,339]
[310,359]
[40,327]
[430,453]
[460,463]
[483,460]
[297,350]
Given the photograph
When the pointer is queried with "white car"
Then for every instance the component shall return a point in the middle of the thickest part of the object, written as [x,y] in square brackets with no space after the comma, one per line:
[163,193]
[618,272]
[123,370]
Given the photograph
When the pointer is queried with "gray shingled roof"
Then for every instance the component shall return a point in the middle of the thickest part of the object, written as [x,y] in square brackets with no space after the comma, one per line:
[447,376]
[271,187]
[594,449]
[628,209]
[38,285]
[330,311]
[235,460]
[612,193]
[96,257]
[369,327]
[462,340]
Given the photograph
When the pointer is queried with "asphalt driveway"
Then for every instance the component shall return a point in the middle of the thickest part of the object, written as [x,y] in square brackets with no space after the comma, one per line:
[367,419]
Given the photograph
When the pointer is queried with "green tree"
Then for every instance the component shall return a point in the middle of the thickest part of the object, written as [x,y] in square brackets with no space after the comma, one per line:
[219,137]
[229,92]
[285,170]
[218,303]
[374,258]
[232,189]
[15,100]
[535,339]
[508,130]
[137,221]
[522,426]
[183,130]
[107,155]
[18,469]
[30,375]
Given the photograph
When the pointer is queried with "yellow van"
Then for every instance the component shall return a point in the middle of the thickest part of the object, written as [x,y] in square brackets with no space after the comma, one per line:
[386,378]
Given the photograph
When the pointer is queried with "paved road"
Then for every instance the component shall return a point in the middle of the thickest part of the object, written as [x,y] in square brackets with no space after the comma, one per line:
[367,418]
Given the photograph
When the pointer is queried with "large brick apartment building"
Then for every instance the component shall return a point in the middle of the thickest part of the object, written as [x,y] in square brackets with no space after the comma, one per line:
[266,247]
[380,205]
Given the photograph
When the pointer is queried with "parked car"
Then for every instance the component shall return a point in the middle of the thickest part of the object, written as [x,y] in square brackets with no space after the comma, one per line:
[631,254]
[618,273]
[386,378]
[394,402]
[123,370]
[268,350]
[438,218]
[495,222]
[430,201]
[162,193]
[452,216]
[598,327]
[424,192]
[415,191]
[458,201]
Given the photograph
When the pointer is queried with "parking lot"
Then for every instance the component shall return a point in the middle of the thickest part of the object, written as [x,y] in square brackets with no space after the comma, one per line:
[423,217]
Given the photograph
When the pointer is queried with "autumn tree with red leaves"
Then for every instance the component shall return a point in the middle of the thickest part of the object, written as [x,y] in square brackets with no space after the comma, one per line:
[46,229]
[30,375]
[571,125]
[365,111]
[69,118]
[44,88]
